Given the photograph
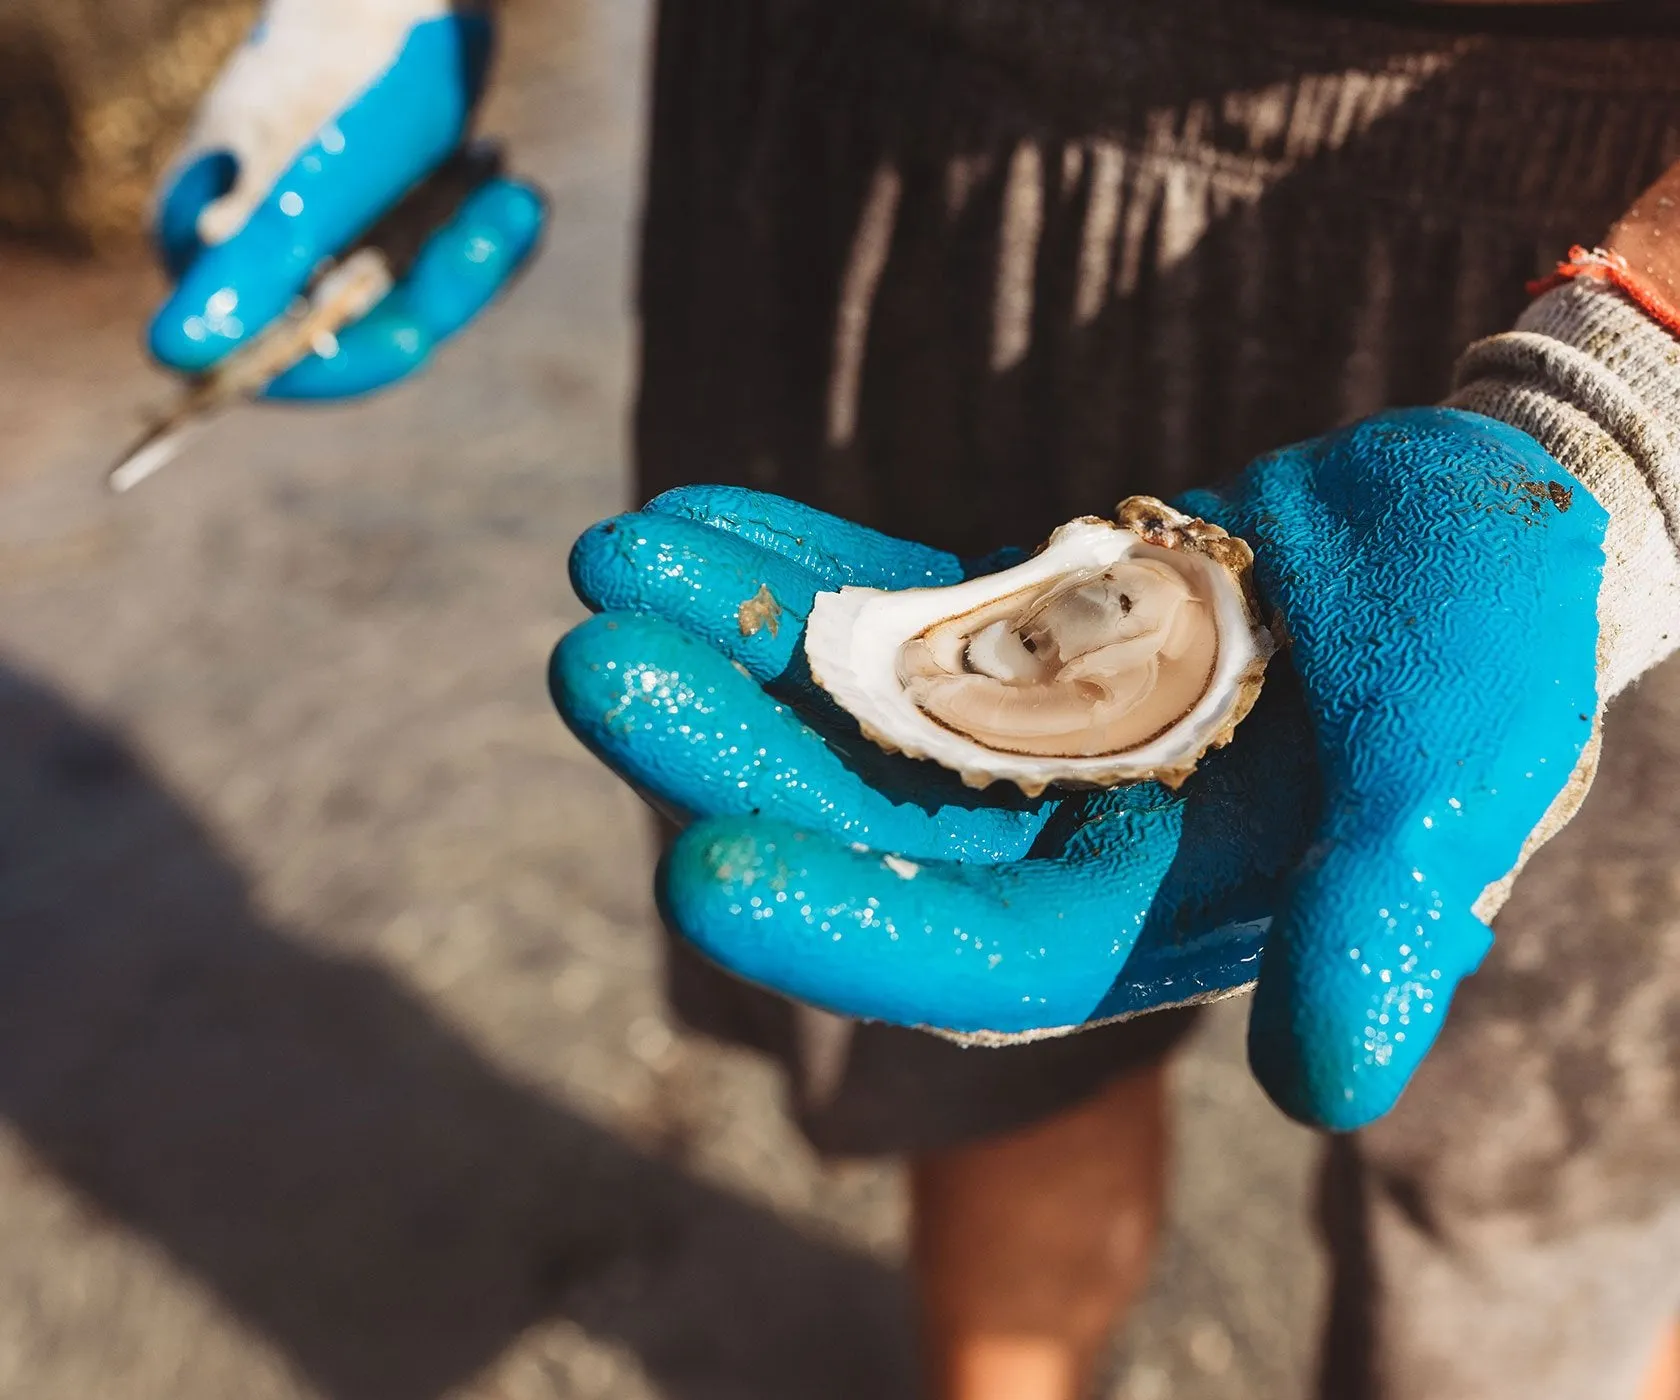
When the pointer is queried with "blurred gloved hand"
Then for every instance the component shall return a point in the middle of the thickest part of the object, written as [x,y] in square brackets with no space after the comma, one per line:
[1436,574]
[326,116]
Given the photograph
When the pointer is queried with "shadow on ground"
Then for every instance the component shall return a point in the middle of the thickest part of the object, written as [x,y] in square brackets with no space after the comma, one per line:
[342,1168]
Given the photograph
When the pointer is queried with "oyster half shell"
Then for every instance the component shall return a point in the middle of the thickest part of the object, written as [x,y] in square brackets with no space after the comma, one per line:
[1122,651]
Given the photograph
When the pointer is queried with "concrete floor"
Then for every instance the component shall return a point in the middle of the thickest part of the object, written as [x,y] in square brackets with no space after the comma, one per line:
[332,1060]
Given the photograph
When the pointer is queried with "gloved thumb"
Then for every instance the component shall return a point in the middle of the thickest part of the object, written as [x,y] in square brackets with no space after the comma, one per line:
[1363,959]
[200,180]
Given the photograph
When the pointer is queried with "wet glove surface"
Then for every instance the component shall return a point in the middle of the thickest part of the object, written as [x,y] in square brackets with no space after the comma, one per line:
[331,111]
[1436,574]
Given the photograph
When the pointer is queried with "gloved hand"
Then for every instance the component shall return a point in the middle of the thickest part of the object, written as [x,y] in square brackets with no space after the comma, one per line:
[326,116]
[1436,574]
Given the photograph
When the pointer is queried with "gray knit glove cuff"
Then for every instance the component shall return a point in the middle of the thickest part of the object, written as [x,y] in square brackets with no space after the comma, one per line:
[1597,383]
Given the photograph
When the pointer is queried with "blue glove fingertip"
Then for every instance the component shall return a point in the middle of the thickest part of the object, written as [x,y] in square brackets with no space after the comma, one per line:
[472,257]
[589,566]
[676,720]
[1355,985]
[587,675]
[511,212]
[198,183]
[748,603]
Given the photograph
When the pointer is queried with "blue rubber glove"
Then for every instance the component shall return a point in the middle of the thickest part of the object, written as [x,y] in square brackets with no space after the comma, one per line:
[1437,576]
[331,111]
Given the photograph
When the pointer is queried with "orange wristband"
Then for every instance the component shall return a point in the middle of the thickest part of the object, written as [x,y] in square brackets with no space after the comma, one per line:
[1604,266]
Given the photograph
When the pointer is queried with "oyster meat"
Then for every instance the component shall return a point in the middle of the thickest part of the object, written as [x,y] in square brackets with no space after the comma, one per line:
[1122,651]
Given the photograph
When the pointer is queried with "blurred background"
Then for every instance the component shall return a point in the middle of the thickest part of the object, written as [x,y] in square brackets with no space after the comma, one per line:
[332,1060]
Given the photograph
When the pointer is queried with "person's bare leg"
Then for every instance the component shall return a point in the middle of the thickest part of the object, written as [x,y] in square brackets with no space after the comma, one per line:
[1027,1248]
[1664,1381]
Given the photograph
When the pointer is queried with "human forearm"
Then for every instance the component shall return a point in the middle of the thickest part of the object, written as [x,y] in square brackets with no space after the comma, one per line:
[1648,236]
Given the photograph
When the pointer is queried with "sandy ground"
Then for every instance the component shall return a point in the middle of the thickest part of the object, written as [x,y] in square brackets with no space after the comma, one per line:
[332,1061]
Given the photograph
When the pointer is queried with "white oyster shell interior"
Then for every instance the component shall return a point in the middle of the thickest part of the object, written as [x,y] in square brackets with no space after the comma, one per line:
[1103,659]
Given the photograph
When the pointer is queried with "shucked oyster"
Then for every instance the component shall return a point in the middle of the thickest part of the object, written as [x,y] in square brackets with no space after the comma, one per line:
[1122,651]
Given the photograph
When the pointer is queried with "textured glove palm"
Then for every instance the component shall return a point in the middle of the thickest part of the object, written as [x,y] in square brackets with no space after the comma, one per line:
[1436,574]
